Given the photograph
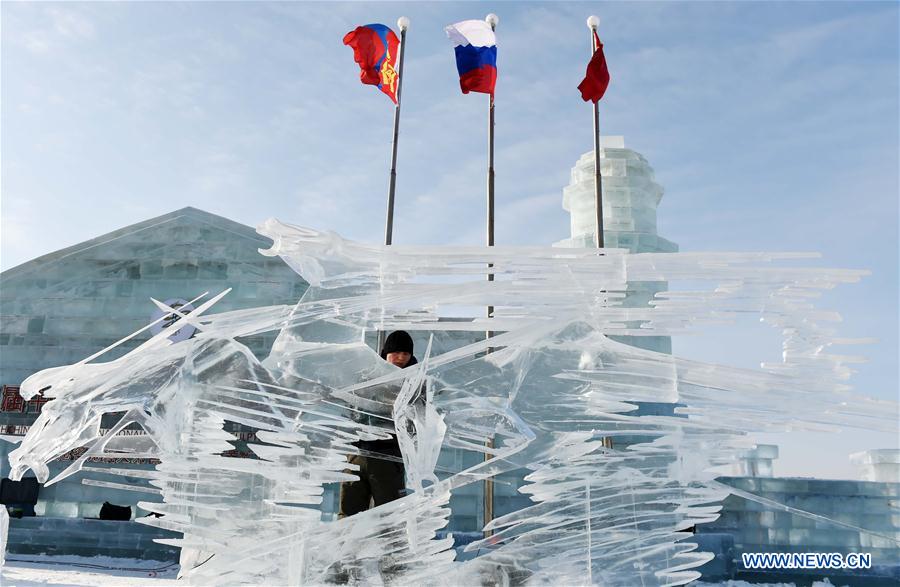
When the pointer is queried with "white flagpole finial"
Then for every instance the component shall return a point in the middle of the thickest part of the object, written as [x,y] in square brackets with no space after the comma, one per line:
[403,23]
[492,19]
[593,21]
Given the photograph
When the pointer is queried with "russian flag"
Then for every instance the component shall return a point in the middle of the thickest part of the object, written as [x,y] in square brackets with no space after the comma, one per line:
[476,55]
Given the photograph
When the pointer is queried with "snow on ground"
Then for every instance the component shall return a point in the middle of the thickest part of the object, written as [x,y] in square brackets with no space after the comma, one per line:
[825,583]
[78,571]
[104,571]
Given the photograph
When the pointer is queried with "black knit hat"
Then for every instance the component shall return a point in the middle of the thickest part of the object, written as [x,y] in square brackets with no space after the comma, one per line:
[398,341]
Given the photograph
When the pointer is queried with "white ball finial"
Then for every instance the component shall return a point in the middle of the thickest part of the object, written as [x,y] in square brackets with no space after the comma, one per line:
[593,21]
[492,19]
[402,23]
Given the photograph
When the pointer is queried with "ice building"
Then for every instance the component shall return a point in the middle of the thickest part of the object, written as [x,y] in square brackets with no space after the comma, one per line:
[630,198]
[849,516]
[67,305]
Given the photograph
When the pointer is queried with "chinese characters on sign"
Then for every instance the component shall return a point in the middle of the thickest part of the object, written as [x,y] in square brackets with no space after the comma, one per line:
[13,402]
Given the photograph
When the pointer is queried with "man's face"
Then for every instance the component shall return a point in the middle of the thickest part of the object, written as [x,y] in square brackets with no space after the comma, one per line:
[398,359]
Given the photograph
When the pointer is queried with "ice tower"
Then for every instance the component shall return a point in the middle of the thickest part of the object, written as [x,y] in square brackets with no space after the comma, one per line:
[630,198]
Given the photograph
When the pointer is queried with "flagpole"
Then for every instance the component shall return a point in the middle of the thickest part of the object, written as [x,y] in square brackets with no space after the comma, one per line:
[492,19]
[402,24]
[593,22]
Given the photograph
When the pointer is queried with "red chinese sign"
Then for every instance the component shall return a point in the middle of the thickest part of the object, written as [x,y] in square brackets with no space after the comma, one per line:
[13,402]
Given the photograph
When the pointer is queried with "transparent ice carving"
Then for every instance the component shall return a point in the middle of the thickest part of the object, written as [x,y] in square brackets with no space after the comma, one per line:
[4,533]
[613,491]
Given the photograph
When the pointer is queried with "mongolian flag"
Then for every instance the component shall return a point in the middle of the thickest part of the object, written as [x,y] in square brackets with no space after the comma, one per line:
[596,79]
[375,49]
[476,55]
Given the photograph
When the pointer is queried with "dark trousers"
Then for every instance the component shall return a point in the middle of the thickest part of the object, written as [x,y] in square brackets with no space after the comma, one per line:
[379,480]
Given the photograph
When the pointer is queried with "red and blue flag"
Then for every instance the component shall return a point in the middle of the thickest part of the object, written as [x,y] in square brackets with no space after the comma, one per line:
[375,49]
[476,55]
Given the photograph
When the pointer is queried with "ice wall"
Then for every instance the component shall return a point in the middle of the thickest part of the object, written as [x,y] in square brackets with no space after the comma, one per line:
[541,394]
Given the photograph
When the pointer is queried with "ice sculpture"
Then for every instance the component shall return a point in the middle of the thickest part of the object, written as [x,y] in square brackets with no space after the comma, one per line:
[4,531]
[541,394]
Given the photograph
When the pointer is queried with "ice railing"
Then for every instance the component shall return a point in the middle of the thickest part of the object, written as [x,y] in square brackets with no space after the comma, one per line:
[541,394]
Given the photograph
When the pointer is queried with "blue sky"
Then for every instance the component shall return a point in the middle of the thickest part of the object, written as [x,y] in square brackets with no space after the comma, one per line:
[772,126]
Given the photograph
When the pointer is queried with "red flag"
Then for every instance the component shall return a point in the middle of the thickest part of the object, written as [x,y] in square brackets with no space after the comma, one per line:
[375,49]
[596,79]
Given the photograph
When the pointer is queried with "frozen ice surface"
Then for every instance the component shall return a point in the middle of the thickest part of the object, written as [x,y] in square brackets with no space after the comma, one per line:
[545,390]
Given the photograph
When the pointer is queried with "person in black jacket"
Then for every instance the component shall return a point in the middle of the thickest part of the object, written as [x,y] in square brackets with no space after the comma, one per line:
[380,480]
